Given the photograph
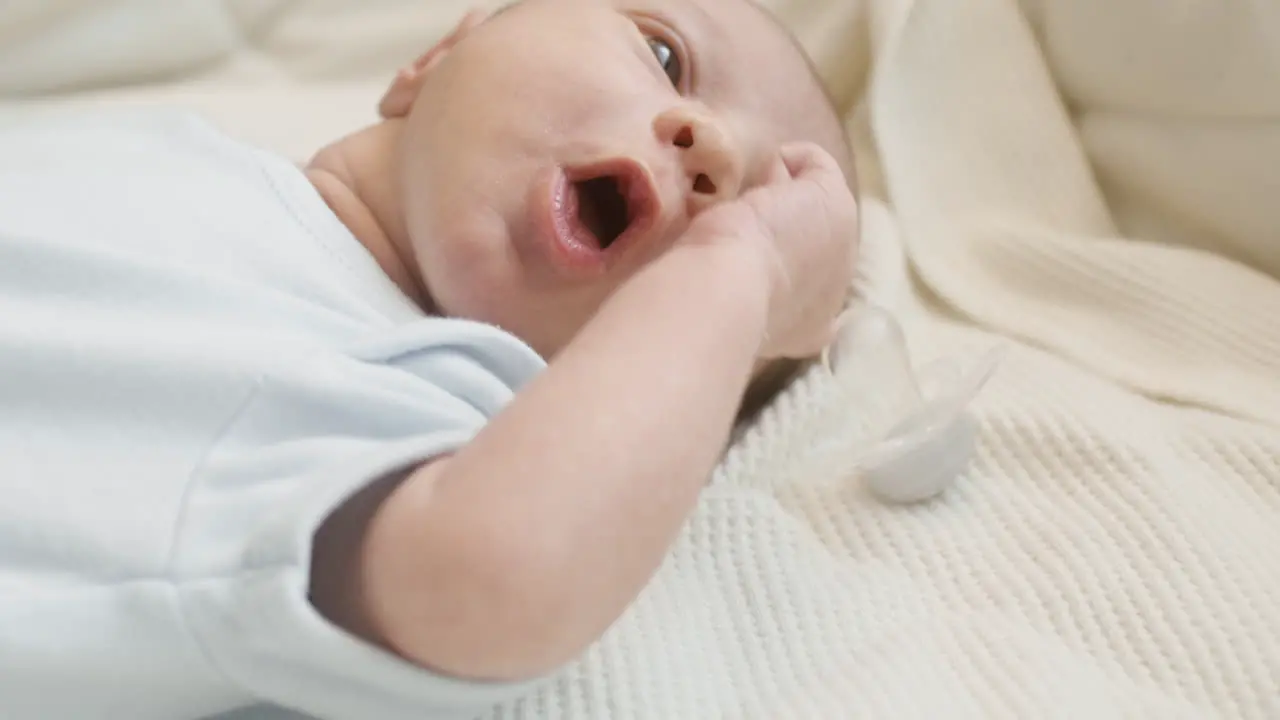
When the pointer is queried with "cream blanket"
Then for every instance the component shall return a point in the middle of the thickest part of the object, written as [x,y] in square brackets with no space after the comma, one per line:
[1096,183]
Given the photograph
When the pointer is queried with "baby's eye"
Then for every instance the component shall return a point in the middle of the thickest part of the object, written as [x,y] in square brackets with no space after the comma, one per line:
[668,59]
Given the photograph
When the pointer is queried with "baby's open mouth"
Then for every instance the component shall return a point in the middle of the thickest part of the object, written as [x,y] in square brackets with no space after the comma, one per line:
[603,208]
[610,203]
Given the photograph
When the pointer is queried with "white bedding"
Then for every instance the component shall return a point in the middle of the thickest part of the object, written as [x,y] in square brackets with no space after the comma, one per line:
[1096,184]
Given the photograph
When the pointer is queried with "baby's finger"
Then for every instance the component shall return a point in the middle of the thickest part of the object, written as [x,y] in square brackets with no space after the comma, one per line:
[808,159]
[778,172]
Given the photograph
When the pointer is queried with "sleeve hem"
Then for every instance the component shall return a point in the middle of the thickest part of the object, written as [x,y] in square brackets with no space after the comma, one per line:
[261,631]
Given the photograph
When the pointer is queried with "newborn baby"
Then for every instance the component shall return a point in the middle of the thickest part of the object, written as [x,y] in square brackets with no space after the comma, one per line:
[398,434]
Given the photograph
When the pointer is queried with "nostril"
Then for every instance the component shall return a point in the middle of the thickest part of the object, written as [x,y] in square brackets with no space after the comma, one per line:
[703,184]
[684,138]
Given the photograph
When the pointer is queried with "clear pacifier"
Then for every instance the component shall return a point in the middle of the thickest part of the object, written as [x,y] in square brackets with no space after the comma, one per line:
[906,434]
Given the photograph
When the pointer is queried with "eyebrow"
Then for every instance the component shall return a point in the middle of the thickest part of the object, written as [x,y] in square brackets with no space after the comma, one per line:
[704,20]
[504,8]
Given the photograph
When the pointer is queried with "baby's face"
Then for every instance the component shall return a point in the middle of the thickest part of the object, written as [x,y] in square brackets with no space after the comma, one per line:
[561,145]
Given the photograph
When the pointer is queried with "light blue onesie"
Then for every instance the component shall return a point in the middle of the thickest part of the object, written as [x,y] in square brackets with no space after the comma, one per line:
[198,362]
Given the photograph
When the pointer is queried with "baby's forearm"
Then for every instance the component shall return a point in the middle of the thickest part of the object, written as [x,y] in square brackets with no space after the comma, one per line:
[517,552]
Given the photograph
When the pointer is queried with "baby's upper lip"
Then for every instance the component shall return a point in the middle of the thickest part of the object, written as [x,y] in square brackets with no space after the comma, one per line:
[636,183]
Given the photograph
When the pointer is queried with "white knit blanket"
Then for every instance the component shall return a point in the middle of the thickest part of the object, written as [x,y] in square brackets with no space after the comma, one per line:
[1095,183]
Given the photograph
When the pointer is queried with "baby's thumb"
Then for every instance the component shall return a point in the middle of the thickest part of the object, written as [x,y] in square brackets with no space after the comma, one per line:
[806,158]
[779,172]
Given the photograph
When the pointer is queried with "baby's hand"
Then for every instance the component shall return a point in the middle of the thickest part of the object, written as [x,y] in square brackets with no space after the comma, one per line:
[802,222]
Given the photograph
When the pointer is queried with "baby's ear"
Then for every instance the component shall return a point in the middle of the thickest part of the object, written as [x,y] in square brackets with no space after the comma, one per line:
[399,98]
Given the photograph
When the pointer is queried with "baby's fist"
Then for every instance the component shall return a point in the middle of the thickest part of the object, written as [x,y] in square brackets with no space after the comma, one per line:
[803,223]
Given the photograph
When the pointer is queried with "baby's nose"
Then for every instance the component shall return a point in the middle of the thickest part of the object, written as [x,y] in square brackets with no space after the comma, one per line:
[712,165]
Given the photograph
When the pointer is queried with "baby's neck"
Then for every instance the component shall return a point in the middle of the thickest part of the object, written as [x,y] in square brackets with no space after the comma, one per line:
[355,176]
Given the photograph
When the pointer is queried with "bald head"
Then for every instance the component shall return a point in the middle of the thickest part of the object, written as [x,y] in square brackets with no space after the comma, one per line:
[698,94]
[830,124]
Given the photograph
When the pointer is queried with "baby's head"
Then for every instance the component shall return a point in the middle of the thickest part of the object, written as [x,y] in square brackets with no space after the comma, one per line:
[673,105]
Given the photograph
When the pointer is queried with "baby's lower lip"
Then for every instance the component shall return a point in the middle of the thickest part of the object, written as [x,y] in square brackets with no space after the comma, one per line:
[571,246]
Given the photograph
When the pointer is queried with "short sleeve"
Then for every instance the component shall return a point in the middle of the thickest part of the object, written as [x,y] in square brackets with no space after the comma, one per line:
[302,445]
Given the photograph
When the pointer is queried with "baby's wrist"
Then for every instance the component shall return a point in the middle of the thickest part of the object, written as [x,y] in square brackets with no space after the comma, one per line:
[745,252]
[733,269]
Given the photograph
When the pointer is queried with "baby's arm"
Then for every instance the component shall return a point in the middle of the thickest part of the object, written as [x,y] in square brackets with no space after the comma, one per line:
[511,556]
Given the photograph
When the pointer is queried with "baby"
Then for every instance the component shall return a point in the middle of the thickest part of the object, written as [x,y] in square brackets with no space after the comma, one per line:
[396,435]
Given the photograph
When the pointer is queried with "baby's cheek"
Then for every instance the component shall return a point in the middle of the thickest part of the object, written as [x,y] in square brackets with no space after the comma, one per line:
[466,295]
